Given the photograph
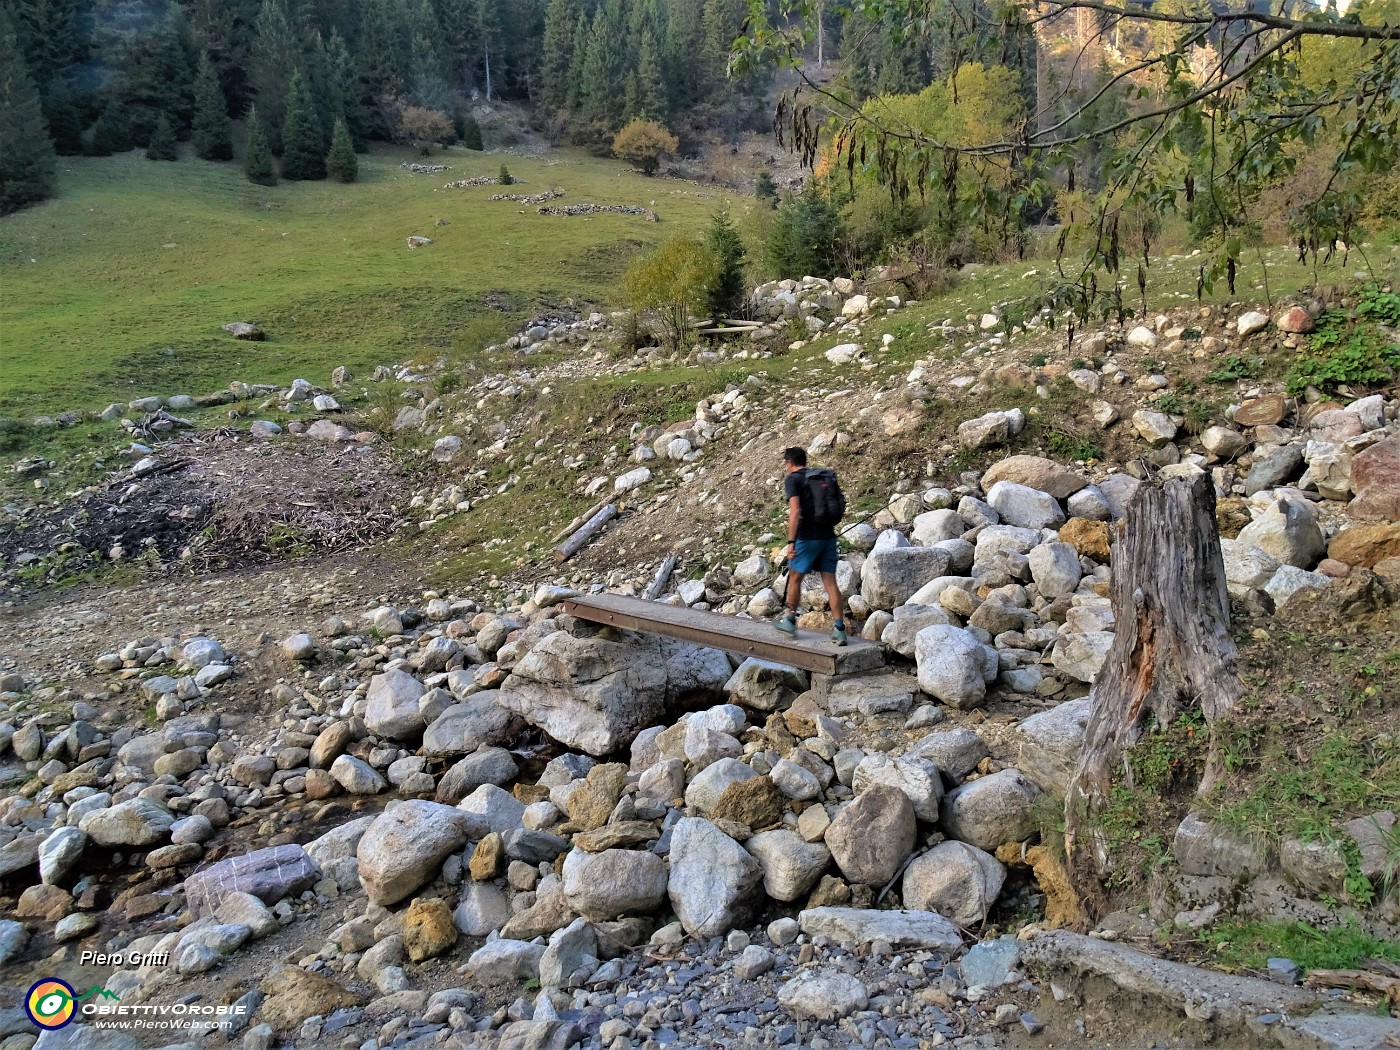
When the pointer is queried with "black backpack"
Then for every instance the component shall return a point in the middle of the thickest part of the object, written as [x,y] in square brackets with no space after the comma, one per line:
[825,503]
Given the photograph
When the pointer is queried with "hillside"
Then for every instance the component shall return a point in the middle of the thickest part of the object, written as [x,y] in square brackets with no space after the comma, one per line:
[289,693]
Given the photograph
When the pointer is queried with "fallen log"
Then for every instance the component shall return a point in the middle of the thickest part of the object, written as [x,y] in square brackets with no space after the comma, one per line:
[569,529]
[658,585]
[591,527]
[1363,980]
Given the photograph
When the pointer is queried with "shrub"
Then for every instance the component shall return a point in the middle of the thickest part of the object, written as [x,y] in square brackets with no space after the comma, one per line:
[670,284]
[423,128]
[642,143]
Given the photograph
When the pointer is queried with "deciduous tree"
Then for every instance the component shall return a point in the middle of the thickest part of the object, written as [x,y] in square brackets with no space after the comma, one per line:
[642,143]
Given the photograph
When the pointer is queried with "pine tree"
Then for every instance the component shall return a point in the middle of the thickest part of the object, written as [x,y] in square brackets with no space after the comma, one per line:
[64,121]
[379,73]
[213,131]
[276,53]
[427,71]
[557,52]
[651,91]
[729,289]
[302,153]
[685,45]
[601,81]
[27,165]
[578,54]
[162,145]
[257,160]
[343,90]
[471,133]
[341,162]
[110,133]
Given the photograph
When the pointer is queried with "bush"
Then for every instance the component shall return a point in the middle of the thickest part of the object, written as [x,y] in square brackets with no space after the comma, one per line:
[805,239]
[423,128]
[505,178]
[470,133]
[1346,349]
[670,284]
[642,143]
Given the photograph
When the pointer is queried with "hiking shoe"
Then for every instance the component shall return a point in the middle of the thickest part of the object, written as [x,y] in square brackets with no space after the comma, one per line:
[787,625]
[838,634]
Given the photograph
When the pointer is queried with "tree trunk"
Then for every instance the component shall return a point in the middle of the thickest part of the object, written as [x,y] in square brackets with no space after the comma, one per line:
[821,35]
[486,51]
[1172,652]
[590,528]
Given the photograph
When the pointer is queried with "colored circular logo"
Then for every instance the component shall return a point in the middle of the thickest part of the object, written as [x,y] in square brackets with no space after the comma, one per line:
[50,1003]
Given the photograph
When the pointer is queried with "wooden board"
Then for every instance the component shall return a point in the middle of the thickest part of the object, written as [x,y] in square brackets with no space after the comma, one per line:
[810,651]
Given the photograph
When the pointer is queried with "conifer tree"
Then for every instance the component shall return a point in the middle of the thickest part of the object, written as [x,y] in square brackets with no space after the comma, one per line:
[27,165]
[110,133]
[257,160]
[728,290]
[213,131]
[471,133]
[64,121]
[601,80]
[341,162]
[380,77]
[578,53]
[685,44]
[302,153]
[276,53]
[427,72]
[651,91]
[162,145]
[343,89]
[556,54]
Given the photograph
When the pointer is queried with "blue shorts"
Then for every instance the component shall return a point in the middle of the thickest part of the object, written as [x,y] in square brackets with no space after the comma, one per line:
[814,556]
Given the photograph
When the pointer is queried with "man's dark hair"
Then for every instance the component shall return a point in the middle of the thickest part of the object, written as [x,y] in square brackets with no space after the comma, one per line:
[796,456]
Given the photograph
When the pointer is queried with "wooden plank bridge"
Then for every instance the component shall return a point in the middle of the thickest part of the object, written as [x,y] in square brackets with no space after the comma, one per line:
[809,651]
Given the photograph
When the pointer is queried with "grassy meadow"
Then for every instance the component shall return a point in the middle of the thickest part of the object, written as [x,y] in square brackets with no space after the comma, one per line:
[117,288]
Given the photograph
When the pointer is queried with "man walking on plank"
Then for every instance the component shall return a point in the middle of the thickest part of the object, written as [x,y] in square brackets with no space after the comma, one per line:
[815,507]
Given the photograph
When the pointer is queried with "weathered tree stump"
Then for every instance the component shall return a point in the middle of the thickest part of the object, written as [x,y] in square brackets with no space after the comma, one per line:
[1172,653]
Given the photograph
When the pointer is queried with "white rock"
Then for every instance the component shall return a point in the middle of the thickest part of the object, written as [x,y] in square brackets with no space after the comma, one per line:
[1250,322]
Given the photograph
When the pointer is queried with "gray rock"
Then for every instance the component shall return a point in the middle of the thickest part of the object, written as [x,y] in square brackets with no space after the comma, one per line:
[937,525]
[482,909]
[596,694]
[989,964]
[505,960]
[199,652]
[391,709]
[614,883]
[462,728]
[1051,742]
[909,620]
[955,752]
[705,790]
[794,781]
[1025,507]
[1246,567]
[712,879]
[406,845]
[889,577]
[135,822]
[954,666]
[1201,848]
[992,810]
[490,765]
[59,853]
[1055,569]
[357,776]
[1289,531]
[14,937]
[791,866]
[955,880]
[1081,656]
[872,694]
[918,778]
[1274,467]
[753,962]
[765,686]
[1288,581]
[900,929]
[872,835]
[268,874]
[823,995]
[1156,428]
[571,957]
[499,810]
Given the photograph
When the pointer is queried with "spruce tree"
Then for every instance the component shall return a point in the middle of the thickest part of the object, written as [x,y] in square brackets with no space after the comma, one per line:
[302,153]
[427,71]
[64,121]
[257,160]
[341,162]
[276,53]
[162,145]
[213,131]
[471,133]
[343,89]
[377,53]
[601,80]
[578,55]
[27,165]
[651,92]
[556,54]
[728,290]
[110,134]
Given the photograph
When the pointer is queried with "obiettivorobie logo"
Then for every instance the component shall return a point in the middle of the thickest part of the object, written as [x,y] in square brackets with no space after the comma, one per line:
[51,1003]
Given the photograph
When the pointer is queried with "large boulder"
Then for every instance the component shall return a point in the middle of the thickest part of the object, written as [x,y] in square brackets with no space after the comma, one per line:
[791,865]
[918,778]
[956,880]
[1051,742]
[713,878]
[391,707]
[992,810]
[596,694]
[268,874]
[1375,478]
[462,728]
[956,752]
[613,883]
[890,577]
[1246,567]
[1082,655]
[1055,569]
[1288,530]
[135,822]
[1365,545]
[1025,507]
[405,846]
[954,666]
[765,686]
[872,835]
[1035,472]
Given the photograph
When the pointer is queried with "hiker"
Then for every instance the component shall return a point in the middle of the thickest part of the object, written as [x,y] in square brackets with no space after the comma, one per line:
[815,506]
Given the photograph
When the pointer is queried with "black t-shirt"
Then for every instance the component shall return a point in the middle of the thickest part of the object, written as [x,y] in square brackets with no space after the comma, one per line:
[796,485]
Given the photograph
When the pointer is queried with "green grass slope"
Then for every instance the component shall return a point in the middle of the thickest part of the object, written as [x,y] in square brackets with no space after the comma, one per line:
[118,288]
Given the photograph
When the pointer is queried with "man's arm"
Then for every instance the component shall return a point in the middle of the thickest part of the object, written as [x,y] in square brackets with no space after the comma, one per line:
[794,512]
